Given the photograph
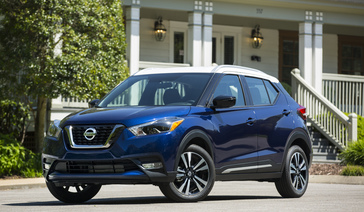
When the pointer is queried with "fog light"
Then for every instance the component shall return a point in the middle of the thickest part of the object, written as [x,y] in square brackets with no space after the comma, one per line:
[157,165]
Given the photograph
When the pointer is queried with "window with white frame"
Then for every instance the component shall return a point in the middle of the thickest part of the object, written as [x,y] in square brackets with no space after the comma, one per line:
[178,47]
[178,42]
[225,47]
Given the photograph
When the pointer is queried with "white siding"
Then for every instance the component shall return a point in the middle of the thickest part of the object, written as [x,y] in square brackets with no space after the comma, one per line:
[150,49]
[269,52]
[154,51]
[330,53]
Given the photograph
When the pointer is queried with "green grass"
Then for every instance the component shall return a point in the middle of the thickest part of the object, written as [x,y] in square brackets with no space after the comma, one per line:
[351,170]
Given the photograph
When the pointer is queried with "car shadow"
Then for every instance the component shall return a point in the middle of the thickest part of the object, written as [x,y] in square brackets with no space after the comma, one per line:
[143,200]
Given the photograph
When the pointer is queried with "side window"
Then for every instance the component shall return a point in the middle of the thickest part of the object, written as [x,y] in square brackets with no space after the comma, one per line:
[230,86]
[257,90]
[272,92]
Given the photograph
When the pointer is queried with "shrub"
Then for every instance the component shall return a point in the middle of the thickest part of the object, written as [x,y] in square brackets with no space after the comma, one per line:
[353,171]
[13,118]
[360,127]
[354,153]
[17,160]
[287,87]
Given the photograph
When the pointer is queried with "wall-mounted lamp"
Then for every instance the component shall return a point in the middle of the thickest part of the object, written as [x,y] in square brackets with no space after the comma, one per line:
[257,38]
[159,30]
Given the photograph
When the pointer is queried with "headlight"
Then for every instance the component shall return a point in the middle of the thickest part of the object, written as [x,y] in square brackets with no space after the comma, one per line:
[155,127]
[54,130]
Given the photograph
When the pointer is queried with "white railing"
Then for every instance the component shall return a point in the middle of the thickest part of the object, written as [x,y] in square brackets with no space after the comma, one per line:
[73,102]
[148,64]
[346,92]
[324,116]
[68,102]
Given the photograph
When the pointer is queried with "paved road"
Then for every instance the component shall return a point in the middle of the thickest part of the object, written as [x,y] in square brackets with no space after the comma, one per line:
[226,196]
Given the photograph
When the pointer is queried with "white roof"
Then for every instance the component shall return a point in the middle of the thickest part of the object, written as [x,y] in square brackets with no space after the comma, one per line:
[226,69]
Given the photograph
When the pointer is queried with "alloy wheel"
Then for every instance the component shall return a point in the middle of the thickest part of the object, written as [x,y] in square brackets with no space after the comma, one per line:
[192,174]
[298,171]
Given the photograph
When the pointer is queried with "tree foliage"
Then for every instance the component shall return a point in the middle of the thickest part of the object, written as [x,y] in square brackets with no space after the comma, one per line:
[69,47]
[60,47]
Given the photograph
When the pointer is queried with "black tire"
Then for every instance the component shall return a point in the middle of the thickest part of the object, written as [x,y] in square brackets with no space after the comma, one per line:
[294,180]
[195,176]
[80,194]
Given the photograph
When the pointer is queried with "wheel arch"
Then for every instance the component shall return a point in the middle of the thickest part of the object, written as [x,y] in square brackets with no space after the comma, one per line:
[300,138]
[196,137]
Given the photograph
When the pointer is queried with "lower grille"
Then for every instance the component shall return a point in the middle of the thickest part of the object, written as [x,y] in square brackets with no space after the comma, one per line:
[78,167]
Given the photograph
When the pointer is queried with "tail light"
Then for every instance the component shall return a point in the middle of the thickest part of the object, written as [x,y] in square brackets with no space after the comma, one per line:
[302,112]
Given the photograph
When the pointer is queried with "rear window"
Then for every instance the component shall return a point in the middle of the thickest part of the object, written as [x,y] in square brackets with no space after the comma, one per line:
[272,92]
[262,91]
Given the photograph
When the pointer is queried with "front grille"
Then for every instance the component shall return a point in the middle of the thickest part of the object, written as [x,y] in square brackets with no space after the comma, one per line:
[101,167]
[93,136]
[103,133]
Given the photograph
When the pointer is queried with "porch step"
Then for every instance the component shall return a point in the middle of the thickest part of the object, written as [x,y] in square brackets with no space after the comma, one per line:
[323,150]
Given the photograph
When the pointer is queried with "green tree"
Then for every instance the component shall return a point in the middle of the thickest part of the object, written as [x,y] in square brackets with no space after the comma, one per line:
[60,47]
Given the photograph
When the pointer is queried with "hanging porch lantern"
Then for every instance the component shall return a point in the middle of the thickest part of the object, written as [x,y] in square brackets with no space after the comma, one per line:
[159,30]
[257,38]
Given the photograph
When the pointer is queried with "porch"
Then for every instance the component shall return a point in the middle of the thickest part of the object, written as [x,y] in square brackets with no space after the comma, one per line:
[322,38]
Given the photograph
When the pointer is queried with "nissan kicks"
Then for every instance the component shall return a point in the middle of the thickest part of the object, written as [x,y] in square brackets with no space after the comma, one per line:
[181,129]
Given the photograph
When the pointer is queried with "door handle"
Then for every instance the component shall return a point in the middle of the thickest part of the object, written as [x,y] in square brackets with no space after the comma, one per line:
[286,112]
[250,121]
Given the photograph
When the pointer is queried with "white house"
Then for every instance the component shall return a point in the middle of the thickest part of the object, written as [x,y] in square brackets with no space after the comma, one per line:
[323,38]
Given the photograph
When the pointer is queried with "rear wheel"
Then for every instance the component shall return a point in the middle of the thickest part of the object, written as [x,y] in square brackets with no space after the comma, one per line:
[73,194]
[195,176]
[294,180]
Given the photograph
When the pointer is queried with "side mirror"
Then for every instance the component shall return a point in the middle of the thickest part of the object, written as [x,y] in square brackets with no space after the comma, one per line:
[224,102]
[93,103]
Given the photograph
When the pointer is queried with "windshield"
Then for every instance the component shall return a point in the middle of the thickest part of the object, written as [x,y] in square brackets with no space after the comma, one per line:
[158,90]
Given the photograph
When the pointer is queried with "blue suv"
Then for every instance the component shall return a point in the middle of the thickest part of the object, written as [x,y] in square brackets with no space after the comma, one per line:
[182,129]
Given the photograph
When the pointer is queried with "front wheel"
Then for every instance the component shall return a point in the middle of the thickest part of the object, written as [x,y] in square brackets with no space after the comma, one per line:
[73,194]
[294,180]
[195,176]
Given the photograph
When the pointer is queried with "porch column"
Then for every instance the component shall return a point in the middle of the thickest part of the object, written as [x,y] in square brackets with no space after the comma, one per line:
[195,35]
[305,47]
[207,35]
[132,14]
[317,68]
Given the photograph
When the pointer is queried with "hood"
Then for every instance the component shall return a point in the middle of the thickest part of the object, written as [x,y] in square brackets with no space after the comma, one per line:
[128,116]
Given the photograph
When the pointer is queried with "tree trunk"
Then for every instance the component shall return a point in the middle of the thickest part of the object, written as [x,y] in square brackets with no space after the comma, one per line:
[40,123]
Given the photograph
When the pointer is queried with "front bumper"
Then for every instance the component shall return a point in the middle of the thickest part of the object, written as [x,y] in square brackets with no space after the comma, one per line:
[130,170]
[129,160]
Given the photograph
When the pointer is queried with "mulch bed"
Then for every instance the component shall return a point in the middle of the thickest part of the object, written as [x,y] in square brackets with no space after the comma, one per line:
[326,169]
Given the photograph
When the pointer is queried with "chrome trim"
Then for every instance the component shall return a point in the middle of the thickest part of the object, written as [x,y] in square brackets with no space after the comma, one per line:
[87,133]
[115,132]
[227,171]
